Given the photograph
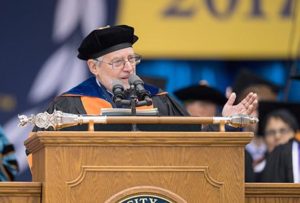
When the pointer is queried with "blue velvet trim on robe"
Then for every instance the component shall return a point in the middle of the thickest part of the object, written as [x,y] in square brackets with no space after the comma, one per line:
[90,88]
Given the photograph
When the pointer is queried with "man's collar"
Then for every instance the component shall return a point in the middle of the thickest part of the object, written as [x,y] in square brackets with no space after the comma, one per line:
[93,88]
[102,86]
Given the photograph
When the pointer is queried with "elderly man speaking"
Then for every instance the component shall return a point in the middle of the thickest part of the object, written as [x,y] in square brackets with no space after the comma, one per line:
[110,57]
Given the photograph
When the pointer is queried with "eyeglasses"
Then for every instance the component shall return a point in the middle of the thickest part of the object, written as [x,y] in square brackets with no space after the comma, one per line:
[120,62]
[281,131]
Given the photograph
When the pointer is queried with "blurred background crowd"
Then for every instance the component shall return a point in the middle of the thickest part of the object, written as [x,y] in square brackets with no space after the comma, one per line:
[198,51]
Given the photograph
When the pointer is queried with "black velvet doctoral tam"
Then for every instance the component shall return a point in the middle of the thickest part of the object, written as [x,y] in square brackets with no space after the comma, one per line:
[104,40]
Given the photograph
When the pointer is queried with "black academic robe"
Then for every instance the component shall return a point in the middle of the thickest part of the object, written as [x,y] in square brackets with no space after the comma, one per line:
[249,173]
[73,102]
[279,167]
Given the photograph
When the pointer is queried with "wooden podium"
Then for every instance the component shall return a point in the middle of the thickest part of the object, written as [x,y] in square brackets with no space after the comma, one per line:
[133,166]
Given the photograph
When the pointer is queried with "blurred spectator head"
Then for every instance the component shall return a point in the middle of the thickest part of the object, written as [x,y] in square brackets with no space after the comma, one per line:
[201,100]
[278,123]
[247,82]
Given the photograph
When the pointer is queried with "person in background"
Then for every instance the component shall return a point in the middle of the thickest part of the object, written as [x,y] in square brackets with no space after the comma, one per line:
[280,127]
[281,133]
[246,82]
[9,165]
[201,100]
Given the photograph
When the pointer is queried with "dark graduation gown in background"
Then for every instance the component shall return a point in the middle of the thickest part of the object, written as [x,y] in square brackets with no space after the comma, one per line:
[249,173]
[88,98]
[279,167]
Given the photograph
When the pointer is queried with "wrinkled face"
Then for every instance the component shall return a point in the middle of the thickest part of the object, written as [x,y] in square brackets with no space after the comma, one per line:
[107,68]
[277,132]
[201,108]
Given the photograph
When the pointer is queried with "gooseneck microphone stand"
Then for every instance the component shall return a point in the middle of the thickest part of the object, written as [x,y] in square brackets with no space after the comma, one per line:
[133,105]
[133,102]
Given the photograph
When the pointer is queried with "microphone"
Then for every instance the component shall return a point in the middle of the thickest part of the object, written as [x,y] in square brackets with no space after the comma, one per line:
[141,92]
[118,91]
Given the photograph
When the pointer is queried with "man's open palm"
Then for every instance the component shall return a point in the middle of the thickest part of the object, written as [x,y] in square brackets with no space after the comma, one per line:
[246,106]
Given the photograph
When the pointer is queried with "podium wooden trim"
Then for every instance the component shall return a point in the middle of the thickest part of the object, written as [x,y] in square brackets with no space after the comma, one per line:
[87,169]
[38,140]
[20,188]
[272,192]
[25,192]
[263,190]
